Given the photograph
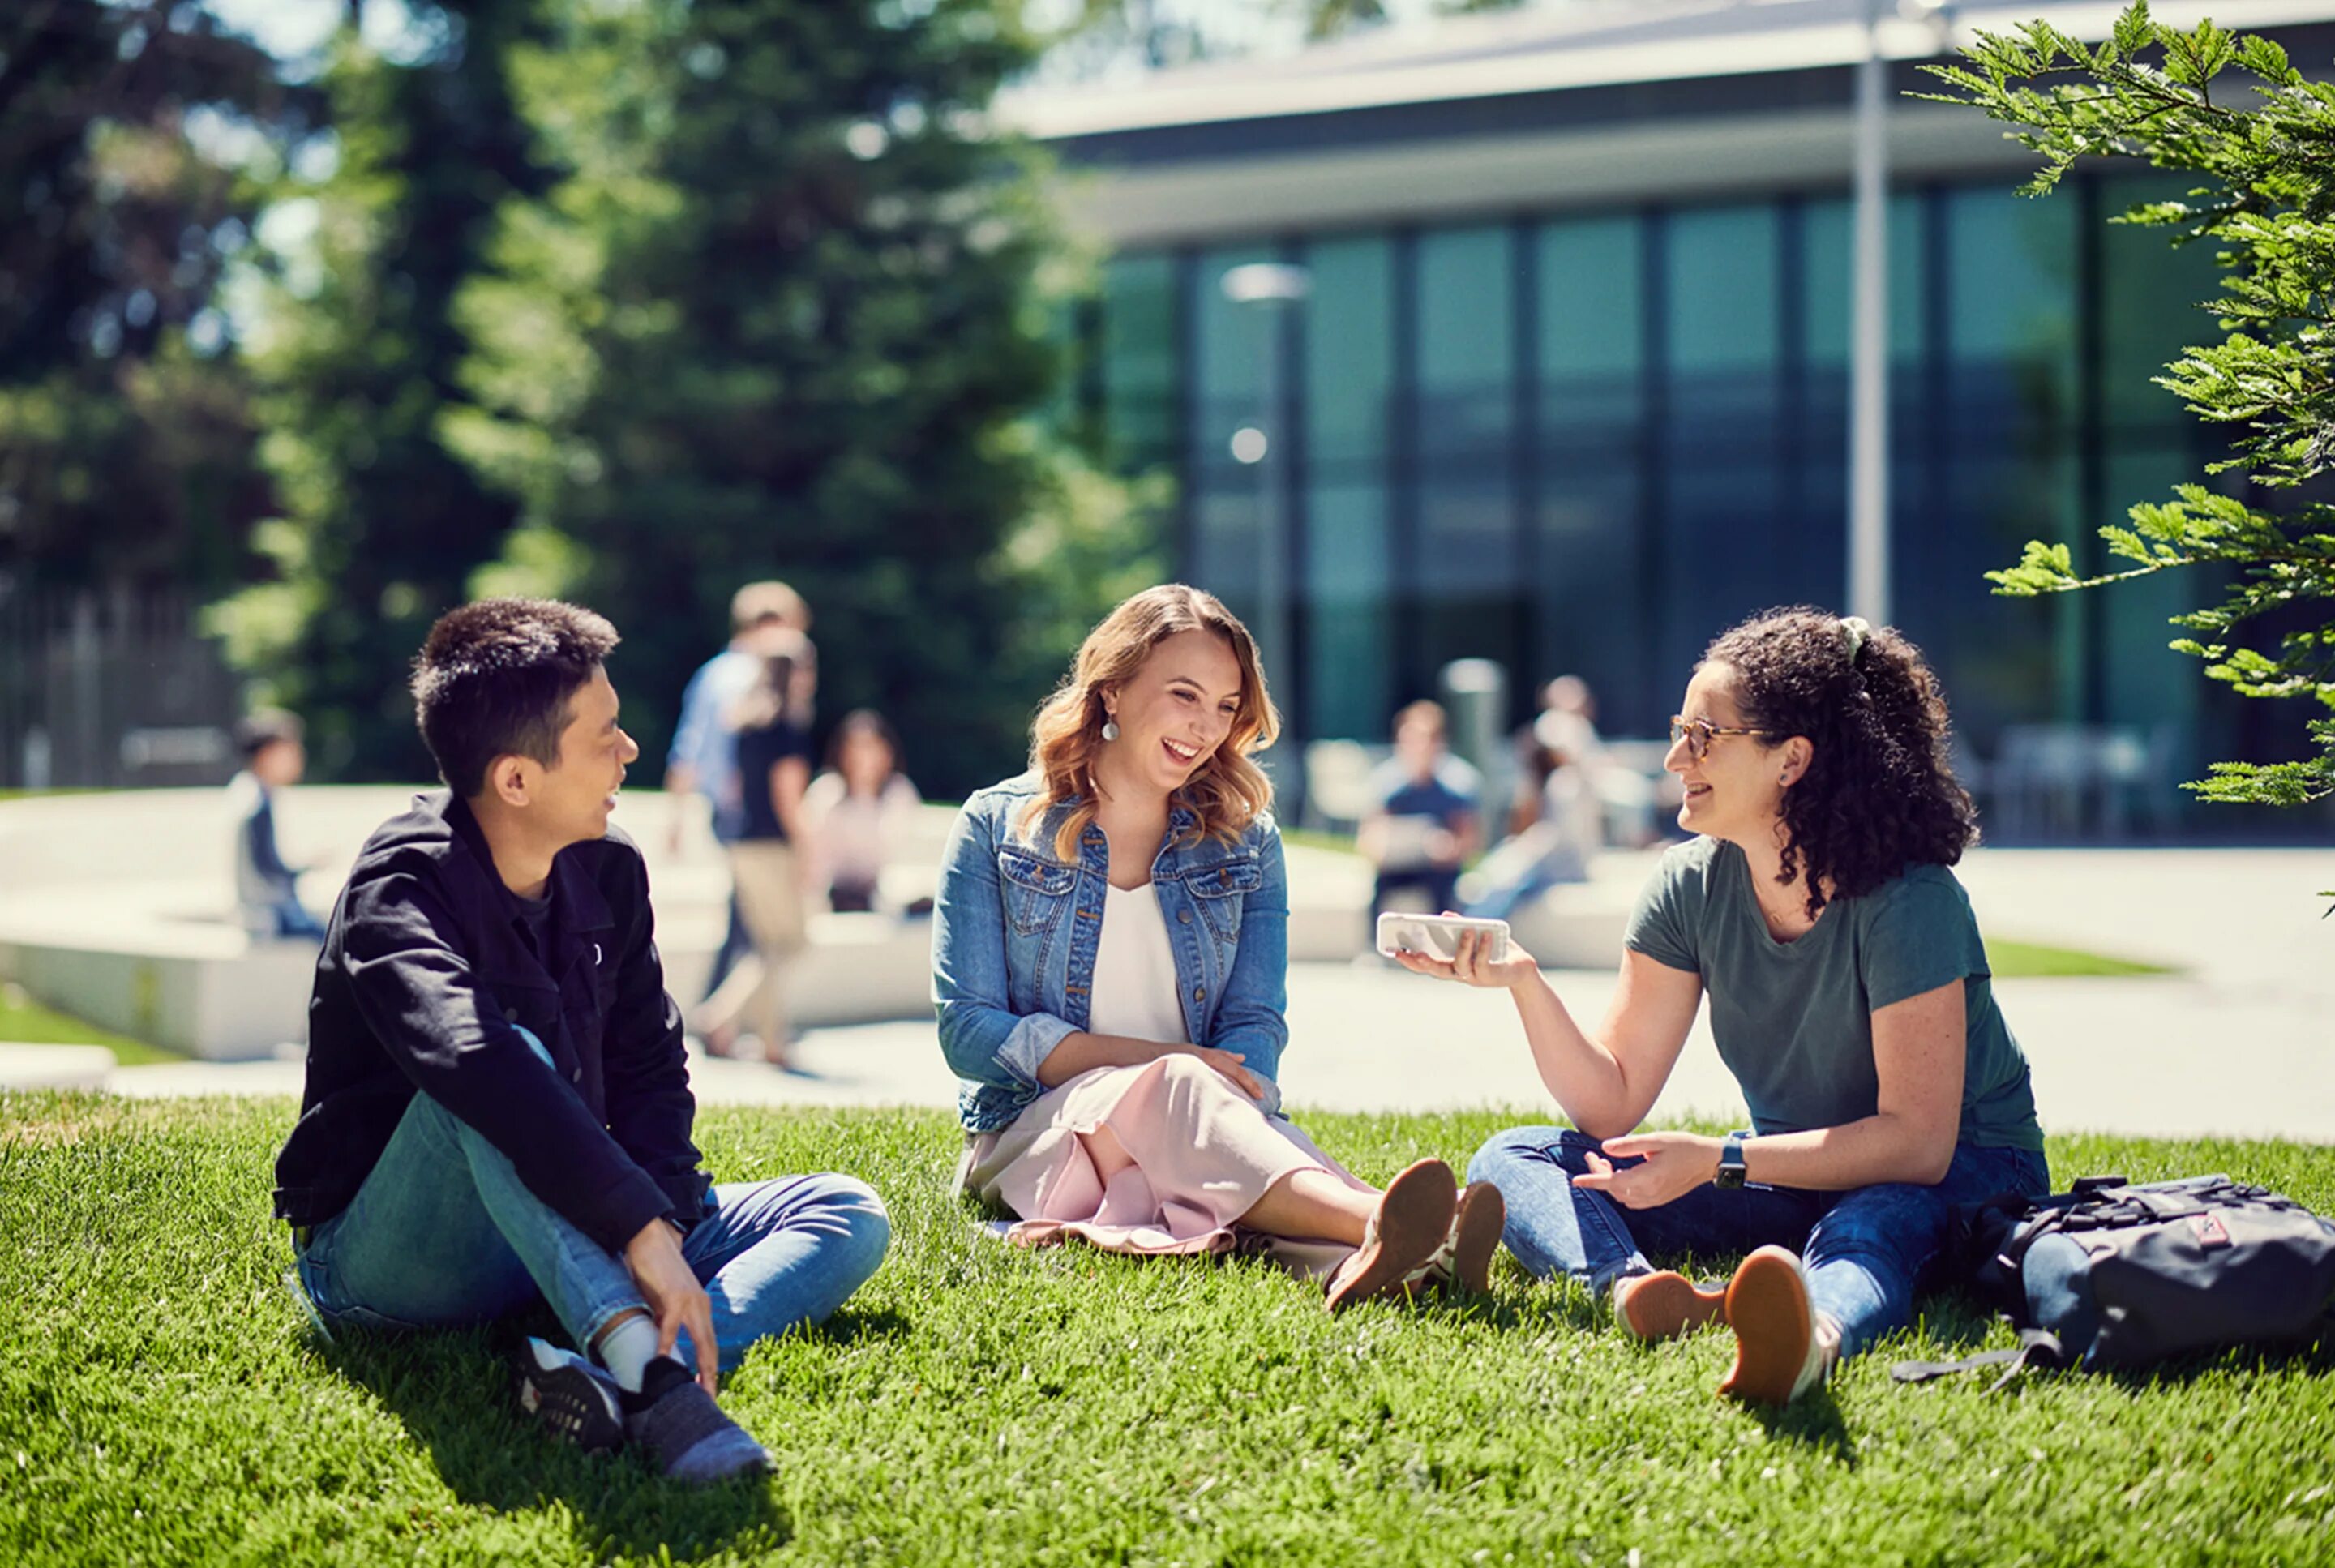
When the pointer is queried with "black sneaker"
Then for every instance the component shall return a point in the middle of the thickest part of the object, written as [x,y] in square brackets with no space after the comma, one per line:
[570,1396]
[684,1432]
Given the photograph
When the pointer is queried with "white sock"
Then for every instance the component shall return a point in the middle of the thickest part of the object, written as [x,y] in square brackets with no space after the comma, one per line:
[628,1349]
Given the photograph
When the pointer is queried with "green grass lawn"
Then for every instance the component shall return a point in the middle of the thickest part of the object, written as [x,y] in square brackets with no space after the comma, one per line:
[2035,960]
[161,1400]
[27,1022]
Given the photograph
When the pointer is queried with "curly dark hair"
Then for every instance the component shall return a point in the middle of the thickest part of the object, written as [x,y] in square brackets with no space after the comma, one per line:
[1880,793]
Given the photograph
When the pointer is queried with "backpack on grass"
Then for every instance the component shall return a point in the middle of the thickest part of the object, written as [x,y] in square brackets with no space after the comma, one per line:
[2113,1275]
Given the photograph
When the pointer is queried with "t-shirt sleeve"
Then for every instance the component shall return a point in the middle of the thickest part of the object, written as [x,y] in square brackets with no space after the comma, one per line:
[1664,925]
[1922,936]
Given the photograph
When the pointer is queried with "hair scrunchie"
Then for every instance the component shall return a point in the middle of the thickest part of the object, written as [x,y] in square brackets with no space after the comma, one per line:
[1854,631]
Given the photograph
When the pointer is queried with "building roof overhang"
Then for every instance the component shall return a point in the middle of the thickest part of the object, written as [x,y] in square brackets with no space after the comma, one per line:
[1583,107]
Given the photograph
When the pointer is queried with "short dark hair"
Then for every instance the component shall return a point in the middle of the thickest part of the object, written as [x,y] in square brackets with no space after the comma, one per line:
[494,679]
[1426,711]
[256,733]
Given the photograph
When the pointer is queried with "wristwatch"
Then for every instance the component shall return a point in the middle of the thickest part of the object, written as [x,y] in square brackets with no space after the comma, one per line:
[1731,1161]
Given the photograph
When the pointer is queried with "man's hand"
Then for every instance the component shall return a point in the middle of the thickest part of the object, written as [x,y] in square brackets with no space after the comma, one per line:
[1670,1165]
[675,1298]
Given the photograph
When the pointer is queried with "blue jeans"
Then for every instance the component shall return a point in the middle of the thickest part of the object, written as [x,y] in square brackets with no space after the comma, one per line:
[1865,1250]
[443,1233]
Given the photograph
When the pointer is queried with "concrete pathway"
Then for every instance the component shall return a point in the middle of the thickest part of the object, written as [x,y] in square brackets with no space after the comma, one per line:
[2240,1044]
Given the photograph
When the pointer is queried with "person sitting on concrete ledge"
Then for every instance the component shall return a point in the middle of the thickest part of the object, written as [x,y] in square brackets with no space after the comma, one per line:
[267,890]
[498,1110]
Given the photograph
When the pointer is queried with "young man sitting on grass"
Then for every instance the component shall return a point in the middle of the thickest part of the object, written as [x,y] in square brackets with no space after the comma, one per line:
[498,1107]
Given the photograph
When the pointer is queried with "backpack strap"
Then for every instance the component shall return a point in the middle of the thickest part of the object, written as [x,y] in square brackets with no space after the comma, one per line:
[2038,1348]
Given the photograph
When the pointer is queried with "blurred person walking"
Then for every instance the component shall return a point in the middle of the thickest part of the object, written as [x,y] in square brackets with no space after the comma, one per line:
[772,754]
[703,759]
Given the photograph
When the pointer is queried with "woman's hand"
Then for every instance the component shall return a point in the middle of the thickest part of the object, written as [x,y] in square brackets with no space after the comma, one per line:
[1670,1165]
[1470,967]
[1226,1062]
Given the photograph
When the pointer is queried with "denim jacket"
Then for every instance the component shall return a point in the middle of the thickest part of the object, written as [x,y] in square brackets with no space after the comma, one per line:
[1015,933]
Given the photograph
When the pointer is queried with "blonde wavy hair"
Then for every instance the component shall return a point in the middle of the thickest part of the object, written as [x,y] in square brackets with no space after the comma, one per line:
[1227,792]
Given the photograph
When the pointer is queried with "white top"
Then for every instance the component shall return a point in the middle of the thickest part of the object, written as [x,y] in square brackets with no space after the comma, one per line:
[854,835]
[1135,971]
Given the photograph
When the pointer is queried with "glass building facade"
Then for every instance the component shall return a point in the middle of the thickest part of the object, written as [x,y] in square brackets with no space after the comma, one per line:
[1588,440]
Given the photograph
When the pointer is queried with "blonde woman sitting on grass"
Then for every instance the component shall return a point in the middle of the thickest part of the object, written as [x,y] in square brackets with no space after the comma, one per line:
[1110,961]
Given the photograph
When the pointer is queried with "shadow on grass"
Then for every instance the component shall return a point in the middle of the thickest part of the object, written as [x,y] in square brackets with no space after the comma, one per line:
[1814,1421]
[452,1392]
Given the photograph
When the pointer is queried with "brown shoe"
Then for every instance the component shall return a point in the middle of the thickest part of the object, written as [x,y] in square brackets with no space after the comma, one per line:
[1476,1236]
[1412,1223]
[1778,1354]
[1666,1305]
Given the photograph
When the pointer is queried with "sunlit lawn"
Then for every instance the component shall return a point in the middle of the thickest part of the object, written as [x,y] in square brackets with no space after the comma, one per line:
[25,1021]
[161,1400]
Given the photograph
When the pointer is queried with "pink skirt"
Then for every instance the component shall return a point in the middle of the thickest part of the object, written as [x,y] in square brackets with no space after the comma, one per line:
[1203,1152]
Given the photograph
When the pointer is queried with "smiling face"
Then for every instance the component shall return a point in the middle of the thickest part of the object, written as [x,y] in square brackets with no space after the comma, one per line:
[1173,714]
[571,802]
[1736,790]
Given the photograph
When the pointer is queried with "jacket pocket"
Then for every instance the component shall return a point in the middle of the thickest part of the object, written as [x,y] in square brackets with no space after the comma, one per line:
[1221,891]
[1035,890]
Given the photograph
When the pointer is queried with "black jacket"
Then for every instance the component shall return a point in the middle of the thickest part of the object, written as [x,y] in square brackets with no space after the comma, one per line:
[426,968]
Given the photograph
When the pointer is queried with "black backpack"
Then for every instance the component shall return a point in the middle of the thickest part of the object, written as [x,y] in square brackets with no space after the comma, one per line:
[2116,1275]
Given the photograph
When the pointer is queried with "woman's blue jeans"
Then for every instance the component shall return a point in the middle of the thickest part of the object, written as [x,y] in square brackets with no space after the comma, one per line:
[443,1233]
[1866,1250]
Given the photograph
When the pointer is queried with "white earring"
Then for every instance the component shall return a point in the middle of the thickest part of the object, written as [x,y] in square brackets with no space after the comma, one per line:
[1110,729]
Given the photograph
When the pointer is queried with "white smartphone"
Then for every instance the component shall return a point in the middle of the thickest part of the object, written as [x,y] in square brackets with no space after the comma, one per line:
[1437,935]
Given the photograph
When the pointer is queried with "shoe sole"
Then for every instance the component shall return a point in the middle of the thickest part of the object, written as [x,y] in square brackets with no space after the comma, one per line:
[570,1404]
[1666,1305]
[1482,1214]
[1767,1305]
[1414,1219]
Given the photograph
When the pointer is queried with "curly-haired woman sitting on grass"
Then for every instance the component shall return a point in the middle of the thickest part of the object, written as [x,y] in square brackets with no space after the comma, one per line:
[1110,961]
[1849,996]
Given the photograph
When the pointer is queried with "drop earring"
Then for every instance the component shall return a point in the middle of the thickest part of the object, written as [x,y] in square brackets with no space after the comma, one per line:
[1110,729]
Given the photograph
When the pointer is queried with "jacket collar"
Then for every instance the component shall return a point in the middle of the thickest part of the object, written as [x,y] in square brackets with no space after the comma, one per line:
[582,907]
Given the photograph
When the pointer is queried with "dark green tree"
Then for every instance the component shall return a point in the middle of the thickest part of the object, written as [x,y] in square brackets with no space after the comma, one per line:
[2234,115]
[126,440]
[359,352]
[787,313]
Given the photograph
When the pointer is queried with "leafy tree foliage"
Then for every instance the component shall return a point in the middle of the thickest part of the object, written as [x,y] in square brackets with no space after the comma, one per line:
[2258,147]
[358,353]
[126,440]
[787,311]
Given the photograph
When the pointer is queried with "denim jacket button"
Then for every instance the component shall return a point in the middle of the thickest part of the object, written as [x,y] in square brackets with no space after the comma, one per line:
[1184,917]
[1199,994]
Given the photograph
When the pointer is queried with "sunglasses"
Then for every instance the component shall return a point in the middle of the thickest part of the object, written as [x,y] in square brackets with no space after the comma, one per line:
[1699,733]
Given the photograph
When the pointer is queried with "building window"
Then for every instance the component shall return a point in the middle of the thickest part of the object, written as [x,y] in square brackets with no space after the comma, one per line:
[1348,576]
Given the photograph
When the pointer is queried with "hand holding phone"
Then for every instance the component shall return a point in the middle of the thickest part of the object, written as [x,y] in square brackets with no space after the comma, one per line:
[1437,935]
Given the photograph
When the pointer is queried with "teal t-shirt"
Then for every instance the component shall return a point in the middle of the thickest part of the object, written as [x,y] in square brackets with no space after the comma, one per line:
[1793,1020]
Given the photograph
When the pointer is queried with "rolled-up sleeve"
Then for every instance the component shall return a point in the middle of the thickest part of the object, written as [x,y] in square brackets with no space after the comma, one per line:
[982,1039]
[1252,1022]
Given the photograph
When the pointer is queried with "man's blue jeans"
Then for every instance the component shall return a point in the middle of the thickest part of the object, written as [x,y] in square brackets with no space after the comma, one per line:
[443,1233]
[1866,1250]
